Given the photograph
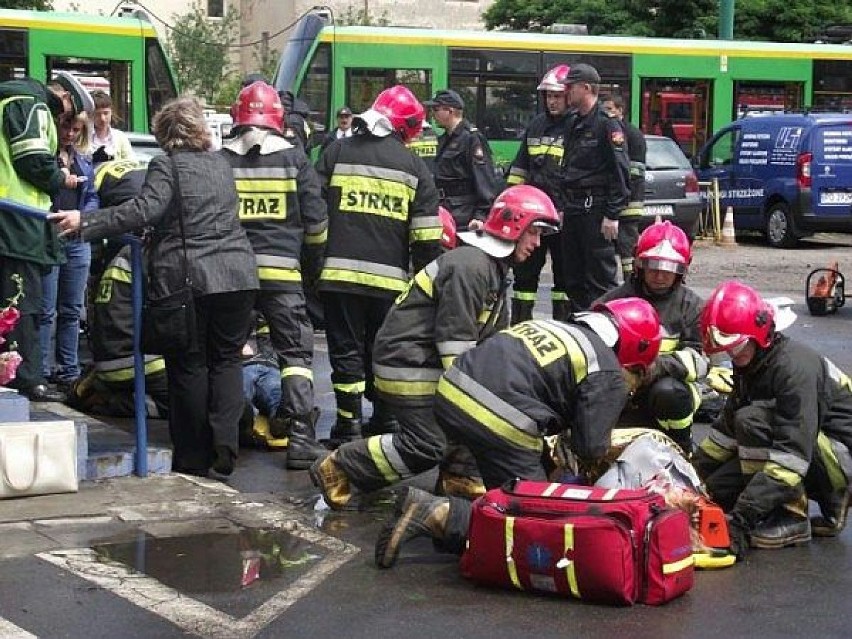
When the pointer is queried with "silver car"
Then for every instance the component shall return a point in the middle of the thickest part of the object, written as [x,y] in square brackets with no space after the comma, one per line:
[671,186]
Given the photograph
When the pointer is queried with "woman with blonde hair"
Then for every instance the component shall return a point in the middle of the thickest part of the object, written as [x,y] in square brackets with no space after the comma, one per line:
[64,286]
[205,382]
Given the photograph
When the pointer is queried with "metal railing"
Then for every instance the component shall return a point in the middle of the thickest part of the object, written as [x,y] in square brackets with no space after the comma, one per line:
[710,220]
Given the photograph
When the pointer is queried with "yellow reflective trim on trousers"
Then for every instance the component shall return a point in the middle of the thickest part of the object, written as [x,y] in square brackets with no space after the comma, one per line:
[402,388]
[272,274]
[316,238]
[374,445]
[685,422]
[524,296]
[293,371]
[771,469]
[126,374]
[714,451]
[353,388]
[487,418]
[558,296]
[345,413]
[373,196]
[570,571]
[514,180]
[425,283]
[677,566]
[631,212]
[364,279]
[118,275]
[509,533]
[669,345]
[484,315]
[832,465]
[447,361]
[425,235]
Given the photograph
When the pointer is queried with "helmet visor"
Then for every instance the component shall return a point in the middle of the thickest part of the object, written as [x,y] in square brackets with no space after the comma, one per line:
[718,341]
[547,228]
[659,264]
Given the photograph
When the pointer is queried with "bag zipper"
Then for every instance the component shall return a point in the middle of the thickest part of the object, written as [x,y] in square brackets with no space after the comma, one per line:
[646,548]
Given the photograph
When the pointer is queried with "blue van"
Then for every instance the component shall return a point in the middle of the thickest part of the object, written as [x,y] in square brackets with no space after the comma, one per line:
[787,175]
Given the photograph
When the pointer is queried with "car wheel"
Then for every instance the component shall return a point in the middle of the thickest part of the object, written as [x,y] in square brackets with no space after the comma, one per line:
[779,226]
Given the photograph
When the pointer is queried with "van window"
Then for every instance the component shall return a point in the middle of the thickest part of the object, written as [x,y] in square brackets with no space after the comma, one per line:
[721,152]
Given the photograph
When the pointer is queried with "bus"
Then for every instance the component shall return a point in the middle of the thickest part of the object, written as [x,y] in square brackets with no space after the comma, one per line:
[121,55]
[700,84]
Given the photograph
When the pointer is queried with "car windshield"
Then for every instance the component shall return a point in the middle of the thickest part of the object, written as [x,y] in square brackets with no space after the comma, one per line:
[664,154]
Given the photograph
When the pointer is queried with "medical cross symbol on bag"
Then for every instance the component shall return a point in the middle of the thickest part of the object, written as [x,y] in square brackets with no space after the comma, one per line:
[539,557]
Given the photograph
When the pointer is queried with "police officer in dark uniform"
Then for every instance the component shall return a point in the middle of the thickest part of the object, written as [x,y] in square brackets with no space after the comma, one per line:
[595,176]
[464,171]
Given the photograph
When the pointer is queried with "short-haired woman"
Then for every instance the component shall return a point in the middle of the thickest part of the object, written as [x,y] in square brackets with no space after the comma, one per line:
[205,385]
[107,143]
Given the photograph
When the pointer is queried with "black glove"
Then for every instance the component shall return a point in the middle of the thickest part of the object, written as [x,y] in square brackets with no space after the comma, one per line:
[738,533]
[101,155]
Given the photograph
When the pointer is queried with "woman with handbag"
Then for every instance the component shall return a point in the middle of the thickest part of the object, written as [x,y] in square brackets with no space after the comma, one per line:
[202,281]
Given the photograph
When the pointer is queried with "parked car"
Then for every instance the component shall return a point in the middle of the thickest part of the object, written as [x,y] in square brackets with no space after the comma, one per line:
[671,186]
[787,175]
[144,146]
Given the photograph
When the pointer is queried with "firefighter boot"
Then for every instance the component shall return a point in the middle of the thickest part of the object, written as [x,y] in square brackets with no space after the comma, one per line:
[562,310]
[333,483]
[453,485]
[834,510]
[347,428]
[303,448]
[382,421]
[785,526]
[522,310]
[418,514]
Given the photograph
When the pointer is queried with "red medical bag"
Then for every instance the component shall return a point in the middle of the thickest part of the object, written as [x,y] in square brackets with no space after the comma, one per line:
[601,545]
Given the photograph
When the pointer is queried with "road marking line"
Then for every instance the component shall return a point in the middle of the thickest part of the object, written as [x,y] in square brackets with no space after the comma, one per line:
[190,614]
[8,630]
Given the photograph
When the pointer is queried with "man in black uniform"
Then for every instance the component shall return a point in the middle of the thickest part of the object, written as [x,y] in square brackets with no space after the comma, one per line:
[562,376]
[537,163]
[383,220]
[464,171]
[628,221]
[595,176]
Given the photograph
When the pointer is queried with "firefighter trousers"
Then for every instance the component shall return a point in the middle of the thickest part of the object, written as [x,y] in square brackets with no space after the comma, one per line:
[292,337]
[589,261]
[528,273]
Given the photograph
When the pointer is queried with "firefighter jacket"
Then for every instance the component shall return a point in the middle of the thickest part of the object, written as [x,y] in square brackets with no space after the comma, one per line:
[680,313]
[540,155]
[29,172]
[425,146]
[112,324]
[595,168]
[636,151]
[117,181]
[281,205]
[537,378]
[450,306]
[383,215]
[464,174]
[809,395]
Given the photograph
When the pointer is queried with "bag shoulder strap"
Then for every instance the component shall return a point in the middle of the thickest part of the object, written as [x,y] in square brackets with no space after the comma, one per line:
[179,201]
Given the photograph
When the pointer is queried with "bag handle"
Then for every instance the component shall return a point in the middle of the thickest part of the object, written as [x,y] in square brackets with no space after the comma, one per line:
[7,464]
[179,199]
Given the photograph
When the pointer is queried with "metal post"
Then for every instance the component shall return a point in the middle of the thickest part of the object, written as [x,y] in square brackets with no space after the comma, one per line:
[726,19]
[140,414]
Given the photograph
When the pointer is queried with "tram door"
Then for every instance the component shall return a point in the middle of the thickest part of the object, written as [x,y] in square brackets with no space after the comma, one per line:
[679,109]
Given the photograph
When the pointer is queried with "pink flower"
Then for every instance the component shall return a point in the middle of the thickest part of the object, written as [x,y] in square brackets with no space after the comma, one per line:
[9,363]
[9,317]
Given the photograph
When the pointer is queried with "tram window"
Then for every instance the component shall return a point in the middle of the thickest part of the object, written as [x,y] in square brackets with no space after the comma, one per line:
[98,74]
[315,88]
[363,85]
[13,54]
[484,61]
[833,84]
[160,86]
[500,107]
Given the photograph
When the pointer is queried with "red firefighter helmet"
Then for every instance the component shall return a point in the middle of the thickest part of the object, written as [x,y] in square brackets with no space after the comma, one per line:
[664,247]
[733,314]
[639,332]
[516,209]
[448,228]
[554,79]
[403,109]
[258,104]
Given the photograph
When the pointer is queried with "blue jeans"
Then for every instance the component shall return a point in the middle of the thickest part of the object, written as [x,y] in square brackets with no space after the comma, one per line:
[63,291]
[262,387]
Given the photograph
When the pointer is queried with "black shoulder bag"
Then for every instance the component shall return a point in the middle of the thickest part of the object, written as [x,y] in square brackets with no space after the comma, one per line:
[168,323]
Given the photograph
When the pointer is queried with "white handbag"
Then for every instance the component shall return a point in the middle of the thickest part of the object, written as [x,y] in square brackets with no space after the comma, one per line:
[37,458]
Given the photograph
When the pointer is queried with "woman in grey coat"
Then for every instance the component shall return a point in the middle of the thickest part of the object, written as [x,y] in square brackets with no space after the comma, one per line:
[205,385]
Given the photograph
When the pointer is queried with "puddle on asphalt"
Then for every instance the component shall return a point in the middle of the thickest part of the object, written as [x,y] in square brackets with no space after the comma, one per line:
[215,562]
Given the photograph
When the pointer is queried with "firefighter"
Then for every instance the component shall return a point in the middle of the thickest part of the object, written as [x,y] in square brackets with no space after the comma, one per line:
[504,396]
[785,430]
[456,302]
[425,146]
[668,394]
[108,388]
[282,211]
[464,171]
[383,219]
[595,177]
[628,221]
[537,163]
